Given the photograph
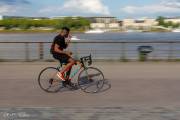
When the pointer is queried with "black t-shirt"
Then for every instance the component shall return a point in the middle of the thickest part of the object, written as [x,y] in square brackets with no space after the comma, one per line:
[60,40]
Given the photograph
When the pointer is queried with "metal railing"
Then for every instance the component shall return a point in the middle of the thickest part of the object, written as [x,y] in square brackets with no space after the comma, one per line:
[100,50]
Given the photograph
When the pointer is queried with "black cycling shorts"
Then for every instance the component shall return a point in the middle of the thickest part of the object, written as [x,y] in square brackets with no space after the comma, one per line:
[61,57]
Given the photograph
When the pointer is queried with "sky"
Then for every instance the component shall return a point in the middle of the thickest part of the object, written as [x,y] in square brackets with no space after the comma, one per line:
[119,8]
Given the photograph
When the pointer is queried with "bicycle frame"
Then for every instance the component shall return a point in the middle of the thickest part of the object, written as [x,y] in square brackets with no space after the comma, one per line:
[73,73]
[81,65]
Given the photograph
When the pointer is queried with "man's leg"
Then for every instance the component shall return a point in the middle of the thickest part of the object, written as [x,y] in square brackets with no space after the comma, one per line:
[68,81]
[68,73]
[67,69]
[71,62]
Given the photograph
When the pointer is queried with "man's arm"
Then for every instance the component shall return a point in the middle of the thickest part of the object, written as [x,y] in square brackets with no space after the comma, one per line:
[56,49]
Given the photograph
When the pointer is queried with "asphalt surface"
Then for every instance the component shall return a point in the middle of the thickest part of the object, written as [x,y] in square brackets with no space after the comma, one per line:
[140,89]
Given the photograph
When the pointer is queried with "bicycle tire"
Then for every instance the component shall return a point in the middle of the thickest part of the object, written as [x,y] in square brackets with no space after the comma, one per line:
[85,84]
[49,80]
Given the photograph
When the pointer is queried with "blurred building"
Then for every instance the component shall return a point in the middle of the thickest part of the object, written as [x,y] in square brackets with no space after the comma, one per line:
[139,23]
[104,22]
[64,17]
[174,20]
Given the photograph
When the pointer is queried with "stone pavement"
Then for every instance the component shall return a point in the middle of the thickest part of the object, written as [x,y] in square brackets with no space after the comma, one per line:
[91,113]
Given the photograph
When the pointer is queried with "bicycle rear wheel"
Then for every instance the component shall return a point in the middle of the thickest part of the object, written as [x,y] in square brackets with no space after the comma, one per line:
[91,80]
[48,80]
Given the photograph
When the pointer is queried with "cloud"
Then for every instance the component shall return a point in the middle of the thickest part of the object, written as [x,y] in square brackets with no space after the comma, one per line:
[14,2]
[11,6]
[86,6]
[165,6]
[172,3]
[5,9]
[79,7]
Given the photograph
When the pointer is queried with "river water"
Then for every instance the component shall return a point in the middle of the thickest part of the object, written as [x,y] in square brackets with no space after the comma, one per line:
[167,36]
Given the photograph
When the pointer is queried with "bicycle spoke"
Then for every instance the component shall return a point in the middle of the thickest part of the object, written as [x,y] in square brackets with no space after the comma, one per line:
[48,80]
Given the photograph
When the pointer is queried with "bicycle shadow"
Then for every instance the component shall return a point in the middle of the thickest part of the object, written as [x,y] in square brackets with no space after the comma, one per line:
[67,89]
[106,87]
[100,86]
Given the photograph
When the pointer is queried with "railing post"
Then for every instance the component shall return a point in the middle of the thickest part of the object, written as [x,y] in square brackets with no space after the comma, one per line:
[27,51]
[41,51]
[123,51]
[170,53]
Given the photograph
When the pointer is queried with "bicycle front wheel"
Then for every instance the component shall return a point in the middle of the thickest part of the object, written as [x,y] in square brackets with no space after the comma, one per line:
[91,80]
[48,80]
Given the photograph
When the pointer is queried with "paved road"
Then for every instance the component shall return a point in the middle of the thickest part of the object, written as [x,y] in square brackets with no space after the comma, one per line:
[142,86]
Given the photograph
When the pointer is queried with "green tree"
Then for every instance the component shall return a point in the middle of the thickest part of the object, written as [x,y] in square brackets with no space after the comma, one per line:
[160,20]
[73,23]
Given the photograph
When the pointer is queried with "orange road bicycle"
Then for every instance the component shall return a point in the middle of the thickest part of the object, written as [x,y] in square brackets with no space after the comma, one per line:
[90,79]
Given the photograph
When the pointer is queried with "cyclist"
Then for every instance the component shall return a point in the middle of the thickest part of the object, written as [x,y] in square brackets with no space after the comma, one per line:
[61,42]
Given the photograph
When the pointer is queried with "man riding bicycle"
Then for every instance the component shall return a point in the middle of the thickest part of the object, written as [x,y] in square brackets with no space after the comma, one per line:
[60,43]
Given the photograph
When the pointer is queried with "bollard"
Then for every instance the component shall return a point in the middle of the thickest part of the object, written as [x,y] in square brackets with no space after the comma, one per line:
[144,51]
